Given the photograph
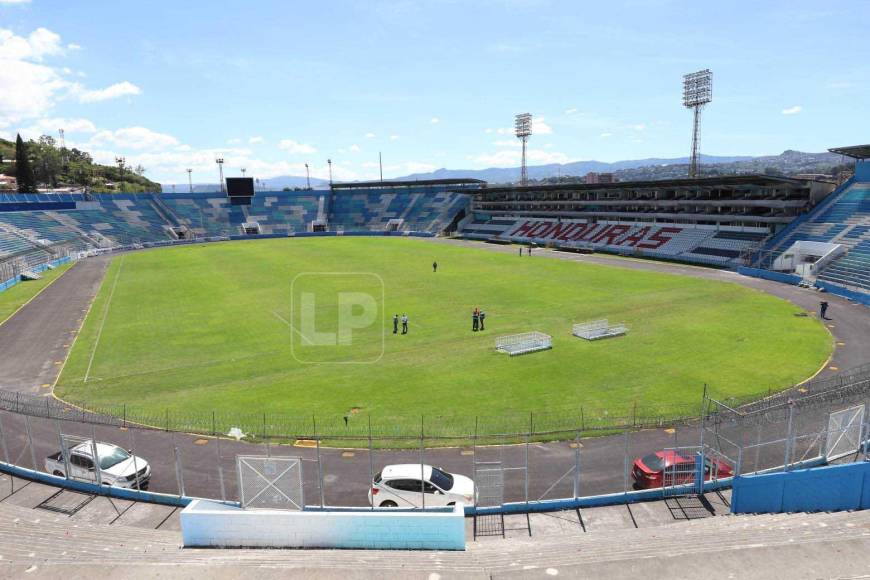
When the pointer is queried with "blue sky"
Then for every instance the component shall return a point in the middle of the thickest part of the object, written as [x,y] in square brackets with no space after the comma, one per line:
[272,85]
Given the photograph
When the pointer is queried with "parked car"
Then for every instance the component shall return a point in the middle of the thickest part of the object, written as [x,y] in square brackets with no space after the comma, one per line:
[117,466]
[648,471]
[402,486]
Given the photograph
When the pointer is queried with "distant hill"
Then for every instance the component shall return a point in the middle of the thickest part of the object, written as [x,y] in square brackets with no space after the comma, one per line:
[61,168]
[271,184]
[787,163]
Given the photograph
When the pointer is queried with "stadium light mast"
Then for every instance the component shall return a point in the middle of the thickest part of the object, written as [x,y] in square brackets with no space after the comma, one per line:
[121,161]
[329,162]
[523,130]
[220,163]
[243,171]
[697,92]
[189,180]
[307,177]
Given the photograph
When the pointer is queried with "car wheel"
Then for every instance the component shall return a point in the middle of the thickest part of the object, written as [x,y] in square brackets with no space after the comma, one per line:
[58,473]
[388,504]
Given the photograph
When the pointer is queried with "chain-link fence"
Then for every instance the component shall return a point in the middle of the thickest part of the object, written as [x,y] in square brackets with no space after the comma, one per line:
[557,455]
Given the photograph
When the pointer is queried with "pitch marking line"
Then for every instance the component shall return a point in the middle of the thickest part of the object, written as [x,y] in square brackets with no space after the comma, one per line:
[103,321]
[290,326]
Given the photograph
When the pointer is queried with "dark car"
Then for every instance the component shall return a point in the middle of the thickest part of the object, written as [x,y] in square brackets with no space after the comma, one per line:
[649,470]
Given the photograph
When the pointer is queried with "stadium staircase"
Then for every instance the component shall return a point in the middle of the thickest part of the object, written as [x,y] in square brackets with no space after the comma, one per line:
[844,218]
[41,539]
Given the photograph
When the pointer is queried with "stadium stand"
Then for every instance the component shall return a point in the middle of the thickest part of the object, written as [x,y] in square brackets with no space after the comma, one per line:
[843,219]
[712,220]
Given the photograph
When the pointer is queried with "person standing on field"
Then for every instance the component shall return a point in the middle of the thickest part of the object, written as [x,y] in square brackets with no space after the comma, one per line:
[434,267]
[823,309]
[482,317]
[475,320]
[395,323]
[404,323]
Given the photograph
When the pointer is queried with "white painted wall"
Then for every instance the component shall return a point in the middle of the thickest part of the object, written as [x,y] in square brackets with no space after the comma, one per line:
[210,524]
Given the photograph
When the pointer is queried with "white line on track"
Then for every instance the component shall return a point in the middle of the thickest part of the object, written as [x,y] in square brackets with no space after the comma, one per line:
[287,322]
[103,321]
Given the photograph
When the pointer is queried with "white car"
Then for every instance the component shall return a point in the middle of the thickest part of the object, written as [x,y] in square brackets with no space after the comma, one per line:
[402,486]
[118,467]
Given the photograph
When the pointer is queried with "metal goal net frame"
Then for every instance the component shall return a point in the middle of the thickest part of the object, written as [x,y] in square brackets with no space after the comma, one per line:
[526,342]
[597,329]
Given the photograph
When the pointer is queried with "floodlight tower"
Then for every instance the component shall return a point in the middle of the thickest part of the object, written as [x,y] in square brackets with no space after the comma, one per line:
[220,163]
[190,180]
[329,162]
[243,171]
[307,177]
[523,130]
[697,92]
[121,161]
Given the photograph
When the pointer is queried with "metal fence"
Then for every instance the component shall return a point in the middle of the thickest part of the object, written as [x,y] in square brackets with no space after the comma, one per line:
[584,456]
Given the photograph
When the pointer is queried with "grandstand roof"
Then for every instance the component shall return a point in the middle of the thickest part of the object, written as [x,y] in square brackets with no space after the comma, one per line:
[855,151]
[416,182]
[720,181]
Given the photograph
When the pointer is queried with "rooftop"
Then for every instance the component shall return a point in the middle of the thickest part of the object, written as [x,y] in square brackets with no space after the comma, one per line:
[855,151]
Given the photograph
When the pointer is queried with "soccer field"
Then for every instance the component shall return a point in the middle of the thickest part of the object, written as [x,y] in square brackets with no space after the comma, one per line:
[219,327]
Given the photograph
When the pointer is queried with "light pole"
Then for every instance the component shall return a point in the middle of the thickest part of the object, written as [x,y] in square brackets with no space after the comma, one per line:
[189,180]
[220,163]
[329,162]
[697,92]
[243,171]
[523,130]
[121,161]
[307,177]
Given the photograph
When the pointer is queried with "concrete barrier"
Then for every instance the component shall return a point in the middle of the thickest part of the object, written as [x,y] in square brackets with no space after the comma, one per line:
[216,525]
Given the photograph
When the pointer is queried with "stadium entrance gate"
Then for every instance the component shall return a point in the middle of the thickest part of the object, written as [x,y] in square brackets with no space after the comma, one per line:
[845,432]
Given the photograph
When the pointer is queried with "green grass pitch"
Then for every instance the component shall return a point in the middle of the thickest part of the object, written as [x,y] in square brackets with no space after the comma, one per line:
[211,328]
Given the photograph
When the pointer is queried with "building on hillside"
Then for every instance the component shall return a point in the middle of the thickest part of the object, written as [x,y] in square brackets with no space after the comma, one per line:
[593,178]
[8,183]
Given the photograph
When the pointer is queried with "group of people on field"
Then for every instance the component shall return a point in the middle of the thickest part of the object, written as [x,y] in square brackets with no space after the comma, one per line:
[404,323]
[478,317]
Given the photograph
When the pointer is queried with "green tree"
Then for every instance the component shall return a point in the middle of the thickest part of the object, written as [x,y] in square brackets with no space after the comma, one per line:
[23,169]
[48,162]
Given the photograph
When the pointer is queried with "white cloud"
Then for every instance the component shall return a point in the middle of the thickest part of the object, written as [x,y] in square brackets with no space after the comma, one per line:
[354,147]
[394,137]
[505,131]
[571,111]
[507,143]
[234,141]
[370,135]
[37,45]
[639,127]
[73,46]
[792,110]
[539,127]
[255,140]
[50,126]
[134,138]
[295,148]
[487,130]
[124,88]
[434,120]
[605,135]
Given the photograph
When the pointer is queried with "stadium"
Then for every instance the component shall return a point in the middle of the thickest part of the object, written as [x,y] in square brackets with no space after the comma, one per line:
[177,328]
[582,356]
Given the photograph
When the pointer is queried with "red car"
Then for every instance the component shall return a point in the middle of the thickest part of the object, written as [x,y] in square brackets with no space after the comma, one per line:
[648,470]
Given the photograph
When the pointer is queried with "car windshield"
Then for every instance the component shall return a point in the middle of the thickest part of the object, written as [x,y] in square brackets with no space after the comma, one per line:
[653,462]
[442,479]
[113,457]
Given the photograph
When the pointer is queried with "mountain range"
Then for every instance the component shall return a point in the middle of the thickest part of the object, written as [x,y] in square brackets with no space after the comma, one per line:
[789,162]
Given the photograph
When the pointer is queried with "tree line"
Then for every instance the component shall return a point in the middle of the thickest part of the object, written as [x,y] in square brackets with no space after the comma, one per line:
[43,163]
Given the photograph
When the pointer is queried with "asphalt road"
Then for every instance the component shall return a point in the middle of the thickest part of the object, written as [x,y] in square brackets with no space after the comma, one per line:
[36,340]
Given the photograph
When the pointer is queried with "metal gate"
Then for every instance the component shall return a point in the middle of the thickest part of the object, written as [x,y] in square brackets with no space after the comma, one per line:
[844,432]
[489,483]
[680,471]
[83,465]
[270,482]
